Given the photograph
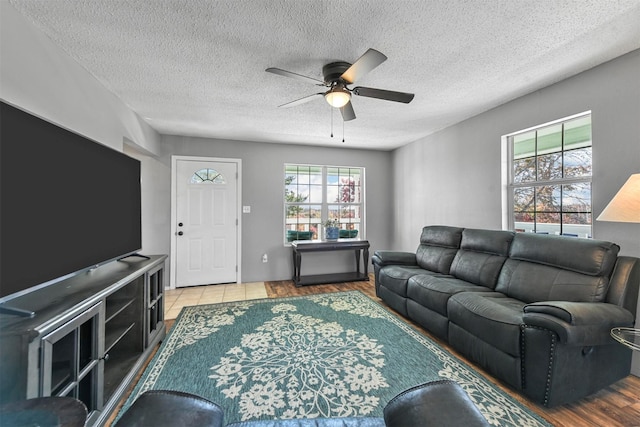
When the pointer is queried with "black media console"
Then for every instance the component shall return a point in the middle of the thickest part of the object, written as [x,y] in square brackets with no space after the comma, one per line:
[89,337]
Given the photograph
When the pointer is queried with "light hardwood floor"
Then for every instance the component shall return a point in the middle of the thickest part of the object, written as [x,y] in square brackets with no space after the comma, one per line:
[616,406]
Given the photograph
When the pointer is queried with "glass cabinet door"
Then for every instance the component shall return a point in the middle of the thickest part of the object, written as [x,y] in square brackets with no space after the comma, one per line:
[155,303]
[71,363]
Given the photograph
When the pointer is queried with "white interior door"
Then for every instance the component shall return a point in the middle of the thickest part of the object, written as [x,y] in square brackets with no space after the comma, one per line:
[206,222]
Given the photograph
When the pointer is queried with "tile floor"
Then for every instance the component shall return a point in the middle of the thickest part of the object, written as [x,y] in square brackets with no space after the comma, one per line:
[175,299]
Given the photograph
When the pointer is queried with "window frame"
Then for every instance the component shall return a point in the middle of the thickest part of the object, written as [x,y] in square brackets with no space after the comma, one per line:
[509,210]
[325,203]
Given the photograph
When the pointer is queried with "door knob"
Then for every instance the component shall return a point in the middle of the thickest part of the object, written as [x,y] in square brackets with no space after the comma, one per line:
[180,233]
[179,224]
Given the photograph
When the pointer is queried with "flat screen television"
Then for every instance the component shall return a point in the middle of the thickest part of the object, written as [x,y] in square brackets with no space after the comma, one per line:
[67,203]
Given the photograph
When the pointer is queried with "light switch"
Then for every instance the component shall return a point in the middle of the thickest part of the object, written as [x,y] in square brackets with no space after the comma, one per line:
[246,209]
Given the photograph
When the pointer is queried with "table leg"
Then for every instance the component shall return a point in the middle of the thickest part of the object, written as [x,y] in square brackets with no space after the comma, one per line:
[357,251]
[297,261]
[295,266]
[366,262]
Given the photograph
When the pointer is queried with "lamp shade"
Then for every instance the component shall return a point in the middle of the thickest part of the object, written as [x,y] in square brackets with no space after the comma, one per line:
[337,97]
[625,205]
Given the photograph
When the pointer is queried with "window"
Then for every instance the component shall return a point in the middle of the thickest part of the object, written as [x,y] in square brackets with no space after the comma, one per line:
[207,176]
[313,194]
[550,178]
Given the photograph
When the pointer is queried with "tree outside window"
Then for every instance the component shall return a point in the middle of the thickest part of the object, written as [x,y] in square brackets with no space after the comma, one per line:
[313,194]
[551,178]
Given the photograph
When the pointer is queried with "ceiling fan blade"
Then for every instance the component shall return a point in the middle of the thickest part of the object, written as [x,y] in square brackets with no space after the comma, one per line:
[300,101]
[367,62]
[291,74]
[347,112]
[387,95]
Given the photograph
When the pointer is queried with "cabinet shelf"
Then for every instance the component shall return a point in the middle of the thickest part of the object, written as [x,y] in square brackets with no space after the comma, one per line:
[155,303]
[114,335]
[116,306]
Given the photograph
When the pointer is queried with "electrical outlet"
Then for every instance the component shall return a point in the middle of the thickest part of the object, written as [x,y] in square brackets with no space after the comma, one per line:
[265,258]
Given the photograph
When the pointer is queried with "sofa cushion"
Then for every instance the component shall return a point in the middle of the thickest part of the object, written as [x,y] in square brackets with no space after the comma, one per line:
[491,316]
[441,235]
[438,246]
[395,277]
[585,256]
[495,242]
[481,256]
[531,282]
[434,292]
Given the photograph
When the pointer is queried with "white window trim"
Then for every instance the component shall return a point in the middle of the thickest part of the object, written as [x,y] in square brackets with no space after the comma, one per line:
[507,171]
[325,204]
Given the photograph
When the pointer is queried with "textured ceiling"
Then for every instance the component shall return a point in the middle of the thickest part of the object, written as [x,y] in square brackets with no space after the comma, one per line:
[196,67]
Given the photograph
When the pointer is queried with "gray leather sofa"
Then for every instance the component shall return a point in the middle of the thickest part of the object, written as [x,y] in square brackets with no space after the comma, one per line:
[535,311]
[436,403]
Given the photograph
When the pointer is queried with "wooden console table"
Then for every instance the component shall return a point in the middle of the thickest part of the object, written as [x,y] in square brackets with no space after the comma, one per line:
[302,246]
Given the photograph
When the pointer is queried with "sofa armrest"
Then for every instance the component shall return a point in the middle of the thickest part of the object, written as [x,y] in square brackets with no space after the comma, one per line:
[578,323]
[436,403]
[624,283]
[382,258]
[171,408]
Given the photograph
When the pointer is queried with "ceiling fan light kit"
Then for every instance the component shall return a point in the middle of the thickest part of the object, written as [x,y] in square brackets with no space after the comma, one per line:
[337,96]
[337,75]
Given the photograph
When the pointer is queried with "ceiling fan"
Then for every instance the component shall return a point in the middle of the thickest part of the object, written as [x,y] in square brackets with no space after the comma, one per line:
[337,76]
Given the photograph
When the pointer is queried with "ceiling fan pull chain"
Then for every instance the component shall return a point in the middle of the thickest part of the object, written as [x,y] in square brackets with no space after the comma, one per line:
[331,109]
[343,131]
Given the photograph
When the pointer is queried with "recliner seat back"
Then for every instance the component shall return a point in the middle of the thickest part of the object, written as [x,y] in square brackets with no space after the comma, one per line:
[438,247]
[481,256]
[570,269]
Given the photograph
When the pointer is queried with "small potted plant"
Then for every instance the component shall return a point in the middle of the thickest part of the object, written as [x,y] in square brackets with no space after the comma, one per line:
[331,228]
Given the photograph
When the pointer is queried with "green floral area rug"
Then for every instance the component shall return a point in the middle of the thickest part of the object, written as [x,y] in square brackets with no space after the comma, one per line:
[327,355]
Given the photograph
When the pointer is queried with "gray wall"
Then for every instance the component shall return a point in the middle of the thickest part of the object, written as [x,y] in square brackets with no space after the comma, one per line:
[263,190]
[155,181]
[453,177]
[38,76]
